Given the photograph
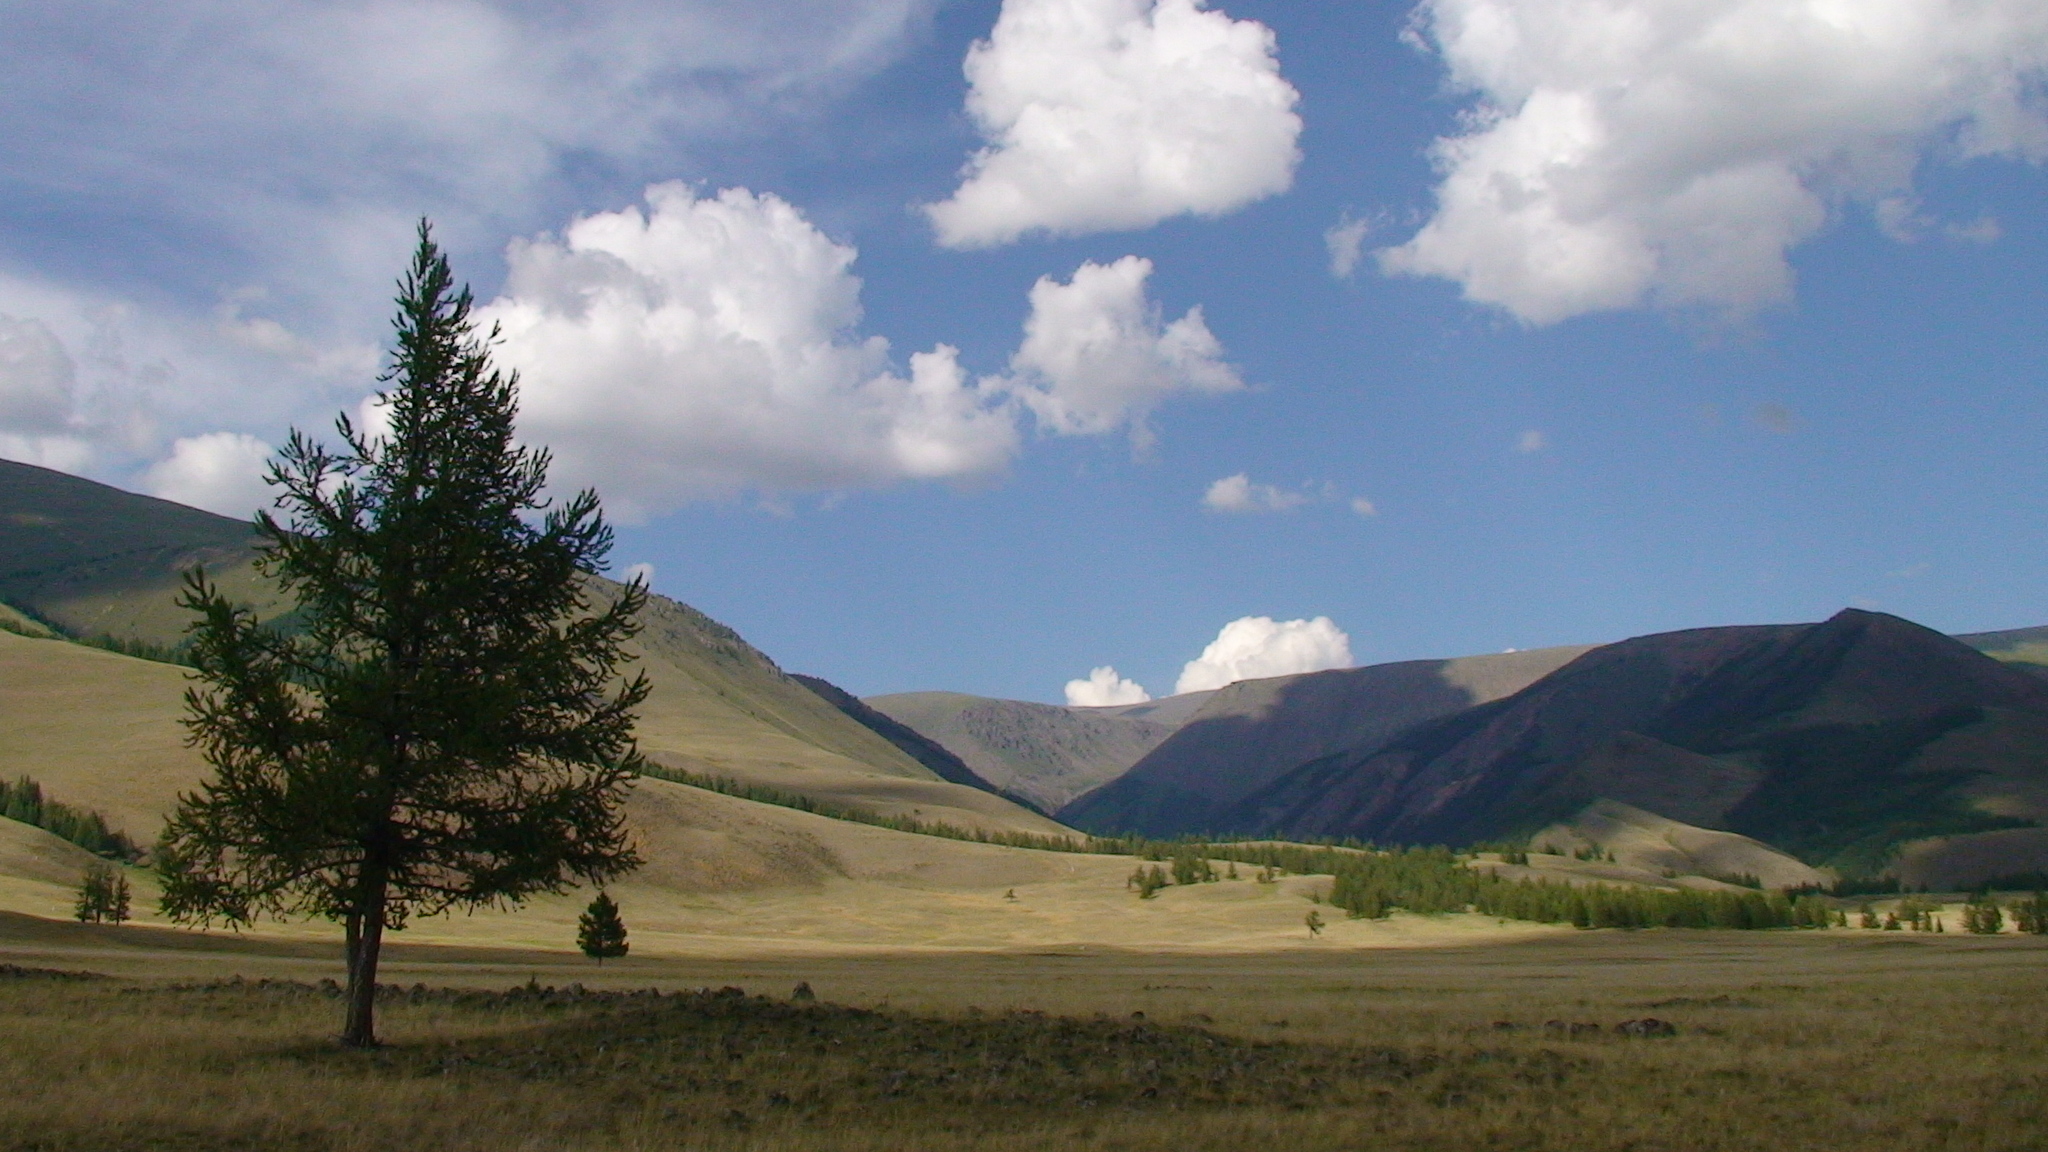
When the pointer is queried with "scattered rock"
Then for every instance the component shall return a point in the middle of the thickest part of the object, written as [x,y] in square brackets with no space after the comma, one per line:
[17,972]
[803,993]
[1571,1028]
[1647,1026]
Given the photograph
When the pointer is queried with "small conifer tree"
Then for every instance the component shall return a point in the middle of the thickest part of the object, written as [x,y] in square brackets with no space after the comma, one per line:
[600,932]
[2031,915]
[1314,920]
[1148,881]
[92,895]
[103,896]
[1983,916]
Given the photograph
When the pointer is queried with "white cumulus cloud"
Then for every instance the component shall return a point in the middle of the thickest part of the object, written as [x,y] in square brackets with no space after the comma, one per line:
[219,471]
[1670,152]
[708,345]
[1115,114]
[1096,355]
[642,572]
[1104,688]
[1238,494]
[1259,646]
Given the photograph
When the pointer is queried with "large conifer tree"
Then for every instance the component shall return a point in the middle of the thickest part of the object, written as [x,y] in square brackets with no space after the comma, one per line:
[440,727]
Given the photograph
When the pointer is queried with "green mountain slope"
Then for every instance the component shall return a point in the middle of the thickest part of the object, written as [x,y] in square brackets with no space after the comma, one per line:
[97,561]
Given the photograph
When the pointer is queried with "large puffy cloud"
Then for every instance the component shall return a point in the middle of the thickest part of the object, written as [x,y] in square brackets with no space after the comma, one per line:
[219,471]
[707,346]
[1112,114]
[240,178]
[1104,688]
[1096,355]
[1259,646]
[1624,152]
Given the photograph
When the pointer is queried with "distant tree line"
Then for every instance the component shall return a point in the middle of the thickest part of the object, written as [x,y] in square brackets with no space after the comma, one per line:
[1985,916]
[1606,906]
[23,800]
[1431,880]
[1371,883]
[140,649]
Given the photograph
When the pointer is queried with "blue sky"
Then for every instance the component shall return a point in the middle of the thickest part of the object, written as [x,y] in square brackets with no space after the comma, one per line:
[1661,313]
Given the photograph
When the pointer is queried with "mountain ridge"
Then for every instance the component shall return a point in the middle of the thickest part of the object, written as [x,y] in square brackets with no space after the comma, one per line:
[1864,720]
[1248,733]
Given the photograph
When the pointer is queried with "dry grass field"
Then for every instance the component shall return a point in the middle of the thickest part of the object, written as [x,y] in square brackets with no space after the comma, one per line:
[1785,1040]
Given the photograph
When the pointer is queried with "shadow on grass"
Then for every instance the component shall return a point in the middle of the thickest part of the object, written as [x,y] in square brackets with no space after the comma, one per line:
[728,1058]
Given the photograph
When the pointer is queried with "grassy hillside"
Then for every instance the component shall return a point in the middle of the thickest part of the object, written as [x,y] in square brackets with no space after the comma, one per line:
[102,730]
[2014,645]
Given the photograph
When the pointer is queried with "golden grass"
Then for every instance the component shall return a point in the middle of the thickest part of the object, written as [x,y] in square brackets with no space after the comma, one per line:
[1786,1040]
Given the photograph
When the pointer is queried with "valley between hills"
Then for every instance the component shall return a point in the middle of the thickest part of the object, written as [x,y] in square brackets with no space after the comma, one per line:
[785,815]
[938,921]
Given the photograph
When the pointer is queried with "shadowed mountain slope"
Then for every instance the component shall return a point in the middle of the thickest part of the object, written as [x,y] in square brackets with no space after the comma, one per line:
[1839,742]
[1042,752]
[97,561]
[1250,733]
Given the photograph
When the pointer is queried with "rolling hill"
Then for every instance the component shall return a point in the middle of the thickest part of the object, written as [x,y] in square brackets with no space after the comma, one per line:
[101,730]
[2027,647]
[1860,743]
[1246,735]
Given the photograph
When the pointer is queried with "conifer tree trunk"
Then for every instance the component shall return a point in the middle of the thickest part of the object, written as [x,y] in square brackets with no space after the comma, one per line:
[360,1030]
